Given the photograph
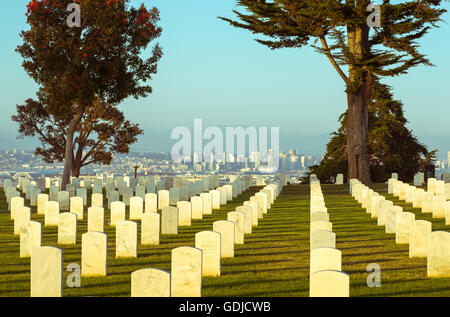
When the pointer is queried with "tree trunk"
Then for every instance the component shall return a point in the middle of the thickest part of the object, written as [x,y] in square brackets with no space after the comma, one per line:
[357,127]
[357,100]
[75,169]
[68,155]
[76,164]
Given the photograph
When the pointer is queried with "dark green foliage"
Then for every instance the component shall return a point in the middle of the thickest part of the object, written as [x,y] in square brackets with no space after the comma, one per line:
[391,146]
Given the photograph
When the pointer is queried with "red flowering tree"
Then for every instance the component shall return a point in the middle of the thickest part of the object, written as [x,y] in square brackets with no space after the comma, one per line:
[100,60]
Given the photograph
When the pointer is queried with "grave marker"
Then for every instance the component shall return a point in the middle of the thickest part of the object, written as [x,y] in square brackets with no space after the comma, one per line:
[46,272]
[209,242]
[126,239]
[186,271]
[94,248]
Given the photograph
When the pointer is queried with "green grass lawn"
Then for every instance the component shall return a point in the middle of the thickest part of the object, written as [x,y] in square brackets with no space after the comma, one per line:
[274,261]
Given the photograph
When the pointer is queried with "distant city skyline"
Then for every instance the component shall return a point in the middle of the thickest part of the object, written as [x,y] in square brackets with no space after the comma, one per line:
[220,74]
[305,144]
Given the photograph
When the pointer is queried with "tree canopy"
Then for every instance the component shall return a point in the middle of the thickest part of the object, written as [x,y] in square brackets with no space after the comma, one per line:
[392,147]
[340,31]
[102,132]
[100,60]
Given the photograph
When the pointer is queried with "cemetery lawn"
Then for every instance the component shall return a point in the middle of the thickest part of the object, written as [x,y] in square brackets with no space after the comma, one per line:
[273,262]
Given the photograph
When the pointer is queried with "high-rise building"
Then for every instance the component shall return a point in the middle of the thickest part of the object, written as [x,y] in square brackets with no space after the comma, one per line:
[448,159]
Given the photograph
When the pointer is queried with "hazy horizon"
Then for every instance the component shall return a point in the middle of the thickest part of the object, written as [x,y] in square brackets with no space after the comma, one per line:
[220,74]
[304,144]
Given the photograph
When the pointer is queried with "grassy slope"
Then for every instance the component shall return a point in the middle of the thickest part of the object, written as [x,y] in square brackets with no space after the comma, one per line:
[362,242]
[274,261]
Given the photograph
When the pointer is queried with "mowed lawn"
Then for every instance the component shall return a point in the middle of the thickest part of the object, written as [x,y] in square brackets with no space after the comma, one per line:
[363,242]
[273,262]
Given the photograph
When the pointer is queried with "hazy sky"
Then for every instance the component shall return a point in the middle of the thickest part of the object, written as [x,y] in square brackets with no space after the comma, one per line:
[221,75]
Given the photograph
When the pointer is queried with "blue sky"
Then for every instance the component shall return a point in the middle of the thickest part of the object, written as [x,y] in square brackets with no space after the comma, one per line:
[221,75]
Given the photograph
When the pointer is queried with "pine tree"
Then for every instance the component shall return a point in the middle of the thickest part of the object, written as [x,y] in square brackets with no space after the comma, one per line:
[341,28]
[391,146]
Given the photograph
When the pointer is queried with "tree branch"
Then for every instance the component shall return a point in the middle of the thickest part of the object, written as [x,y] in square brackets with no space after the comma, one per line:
[324,43]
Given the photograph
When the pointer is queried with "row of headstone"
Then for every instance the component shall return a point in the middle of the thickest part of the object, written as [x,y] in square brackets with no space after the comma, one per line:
[47,261]
[190,264]
[339,179]
[418,234]
[51,210]
[435,200]
[326,276]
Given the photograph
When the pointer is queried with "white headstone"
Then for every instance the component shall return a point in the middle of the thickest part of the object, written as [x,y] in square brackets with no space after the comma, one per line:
[209,242]
[238,218]
[184,213]
[22,216]
[223,195]
[226,230]
[126,239]
[63,199]
[41,200]
[254,206]
[215,196]
[263,201]
[67,228]
[150,228]
[186,272]
[427,202]
[320,216]
[418,238]
[77,206]
[30,237]
[383,207]
[151,202]
[447,213]
[402,226]
[150,283]
[391,218]
[229,190]
[329,284]
[325,259]
[438,255]
[51,211]
[16,203]
[97,200]
[248,213]
[440,188]
[169,220]
[96,219]
[431,185]
[321,225]
[207,203]
[438,206]
[258,201]
[322,239]
[46,272]
[94,248]
[163,199]
[118,212]
[136,207]
[197,207]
